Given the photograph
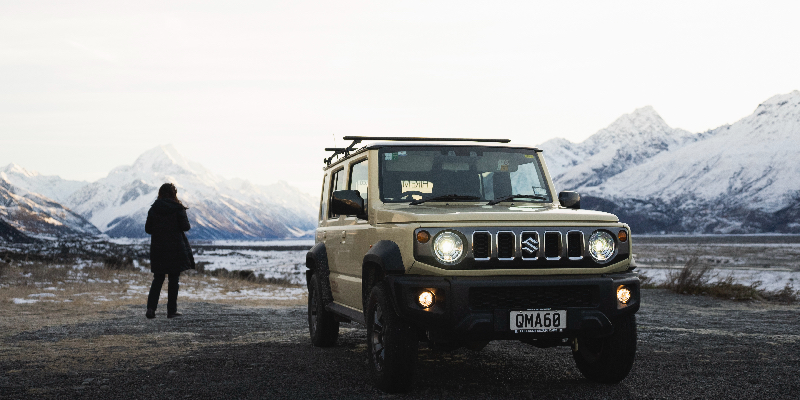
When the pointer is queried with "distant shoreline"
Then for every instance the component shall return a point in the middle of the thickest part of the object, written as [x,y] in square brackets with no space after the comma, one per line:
[718,238]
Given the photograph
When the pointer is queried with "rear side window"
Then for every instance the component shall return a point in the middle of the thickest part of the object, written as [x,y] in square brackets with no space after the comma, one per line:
[359,179]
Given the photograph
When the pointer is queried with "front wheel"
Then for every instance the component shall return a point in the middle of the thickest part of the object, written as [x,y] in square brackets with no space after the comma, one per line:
[322,325]
[608,359]
[392,344]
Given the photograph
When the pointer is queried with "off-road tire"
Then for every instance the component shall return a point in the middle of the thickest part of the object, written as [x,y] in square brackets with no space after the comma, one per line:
[322,325]
[392,345]
[608,359]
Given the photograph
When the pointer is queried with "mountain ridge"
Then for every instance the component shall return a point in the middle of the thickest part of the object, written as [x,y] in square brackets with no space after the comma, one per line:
[117,204]
[737,178]
[219,208]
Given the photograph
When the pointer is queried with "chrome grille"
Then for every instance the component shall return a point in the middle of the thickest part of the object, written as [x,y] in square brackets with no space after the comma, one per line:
[552,245]
[481,245]
[506,242]
[574,245]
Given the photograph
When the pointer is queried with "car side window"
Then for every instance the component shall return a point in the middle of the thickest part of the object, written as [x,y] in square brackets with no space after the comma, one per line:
[359,179]
[337,183]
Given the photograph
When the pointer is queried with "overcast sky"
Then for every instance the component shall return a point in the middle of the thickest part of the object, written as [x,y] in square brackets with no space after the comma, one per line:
[256,89]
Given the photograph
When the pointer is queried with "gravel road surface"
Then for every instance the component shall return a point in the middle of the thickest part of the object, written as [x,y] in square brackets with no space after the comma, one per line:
[689,347]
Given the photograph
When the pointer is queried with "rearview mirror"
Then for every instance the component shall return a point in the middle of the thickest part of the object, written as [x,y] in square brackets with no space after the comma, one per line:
[347,202]
[570,199]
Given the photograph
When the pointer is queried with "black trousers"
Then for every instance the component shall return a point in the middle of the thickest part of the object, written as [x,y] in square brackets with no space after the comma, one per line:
[172,292]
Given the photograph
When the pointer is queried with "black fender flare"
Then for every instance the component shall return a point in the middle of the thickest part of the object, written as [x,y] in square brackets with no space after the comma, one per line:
[385,255]
[317,263]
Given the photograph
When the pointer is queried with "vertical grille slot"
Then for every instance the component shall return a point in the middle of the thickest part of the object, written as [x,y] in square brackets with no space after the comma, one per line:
[505,245]
[575,245]
[481,244]
[552,245]
[529,243]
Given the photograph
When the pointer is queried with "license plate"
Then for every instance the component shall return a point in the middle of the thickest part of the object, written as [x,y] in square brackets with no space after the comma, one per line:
[538,320]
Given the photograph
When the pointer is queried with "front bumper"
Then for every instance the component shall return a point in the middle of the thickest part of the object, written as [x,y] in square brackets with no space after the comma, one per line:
[478,308]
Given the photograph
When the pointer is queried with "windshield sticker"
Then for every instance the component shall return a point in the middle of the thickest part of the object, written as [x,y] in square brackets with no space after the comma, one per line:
[473,154]
[530,156]
[417,186]
[502,165]
[401,153]
[390,156]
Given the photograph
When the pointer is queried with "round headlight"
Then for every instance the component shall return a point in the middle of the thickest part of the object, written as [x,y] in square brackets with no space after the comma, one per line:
[601,246]
[448,248]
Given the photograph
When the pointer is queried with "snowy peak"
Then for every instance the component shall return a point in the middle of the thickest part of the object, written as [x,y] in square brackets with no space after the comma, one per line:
[51,187]
[219,208]
[166,160]
[17,170]
[642,125]
[630,140]
[751,162]
[738,178]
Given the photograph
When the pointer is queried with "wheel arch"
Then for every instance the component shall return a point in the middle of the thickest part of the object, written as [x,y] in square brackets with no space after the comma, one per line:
[382,259]
[317,263]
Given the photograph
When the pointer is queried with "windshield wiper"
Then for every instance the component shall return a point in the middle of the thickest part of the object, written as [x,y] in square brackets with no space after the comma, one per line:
[444,197]
[516,196]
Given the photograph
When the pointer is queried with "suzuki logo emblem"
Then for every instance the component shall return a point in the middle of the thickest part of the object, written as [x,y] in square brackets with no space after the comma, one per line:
[530,246]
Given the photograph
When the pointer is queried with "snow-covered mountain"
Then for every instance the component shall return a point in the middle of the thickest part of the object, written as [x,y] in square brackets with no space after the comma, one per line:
[218,208]
[50,186]
[739,178]
[31,213]
[629,141]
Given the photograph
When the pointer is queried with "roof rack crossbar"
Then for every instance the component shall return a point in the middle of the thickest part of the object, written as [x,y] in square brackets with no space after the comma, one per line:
[341,150]
[424,139]
[358,139]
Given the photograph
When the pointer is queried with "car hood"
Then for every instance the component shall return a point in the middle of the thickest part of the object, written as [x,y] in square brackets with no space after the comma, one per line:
[455,212]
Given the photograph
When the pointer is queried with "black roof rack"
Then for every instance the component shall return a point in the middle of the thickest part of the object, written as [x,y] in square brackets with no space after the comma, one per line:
[358,139]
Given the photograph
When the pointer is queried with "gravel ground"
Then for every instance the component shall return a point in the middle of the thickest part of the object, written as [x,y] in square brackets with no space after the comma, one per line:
[689,347]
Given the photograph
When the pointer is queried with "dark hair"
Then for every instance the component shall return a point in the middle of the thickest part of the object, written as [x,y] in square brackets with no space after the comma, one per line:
[168,191]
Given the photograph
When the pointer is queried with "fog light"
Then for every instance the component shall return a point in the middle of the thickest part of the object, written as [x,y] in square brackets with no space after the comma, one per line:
[426,299]
[423,236]
[623,295]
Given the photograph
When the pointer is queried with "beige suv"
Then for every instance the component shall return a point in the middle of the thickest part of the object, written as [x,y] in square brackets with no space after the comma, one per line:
[458,242]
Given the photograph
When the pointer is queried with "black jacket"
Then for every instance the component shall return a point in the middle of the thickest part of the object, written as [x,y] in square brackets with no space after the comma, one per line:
[169,249]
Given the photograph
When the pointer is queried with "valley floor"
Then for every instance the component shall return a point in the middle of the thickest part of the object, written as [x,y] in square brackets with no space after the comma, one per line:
[689,347]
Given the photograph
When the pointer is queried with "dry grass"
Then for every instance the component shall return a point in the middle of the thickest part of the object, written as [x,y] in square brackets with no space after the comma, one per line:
[35,295]
[701,279]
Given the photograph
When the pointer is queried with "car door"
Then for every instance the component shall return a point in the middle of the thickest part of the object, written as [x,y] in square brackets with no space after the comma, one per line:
[332,233]
[356,241]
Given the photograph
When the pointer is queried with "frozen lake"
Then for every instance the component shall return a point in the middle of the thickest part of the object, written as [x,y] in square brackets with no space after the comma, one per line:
[773,260]
[276,259]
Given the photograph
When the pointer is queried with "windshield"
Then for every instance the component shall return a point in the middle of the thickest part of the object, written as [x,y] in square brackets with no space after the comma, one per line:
[480,173]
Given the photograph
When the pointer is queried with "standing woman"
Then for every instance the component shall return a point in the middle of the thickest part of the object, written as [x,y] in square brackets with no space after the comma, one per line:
[170,253]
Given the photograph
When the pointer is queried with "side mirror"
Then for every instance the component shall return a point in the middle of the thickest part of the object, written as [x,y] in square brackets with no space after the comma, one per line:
[347,202]
[570,199]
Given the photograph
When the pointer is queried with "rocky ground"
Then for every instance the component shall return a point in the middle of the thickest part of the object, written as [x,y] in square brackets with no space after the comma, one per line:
[689,347]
